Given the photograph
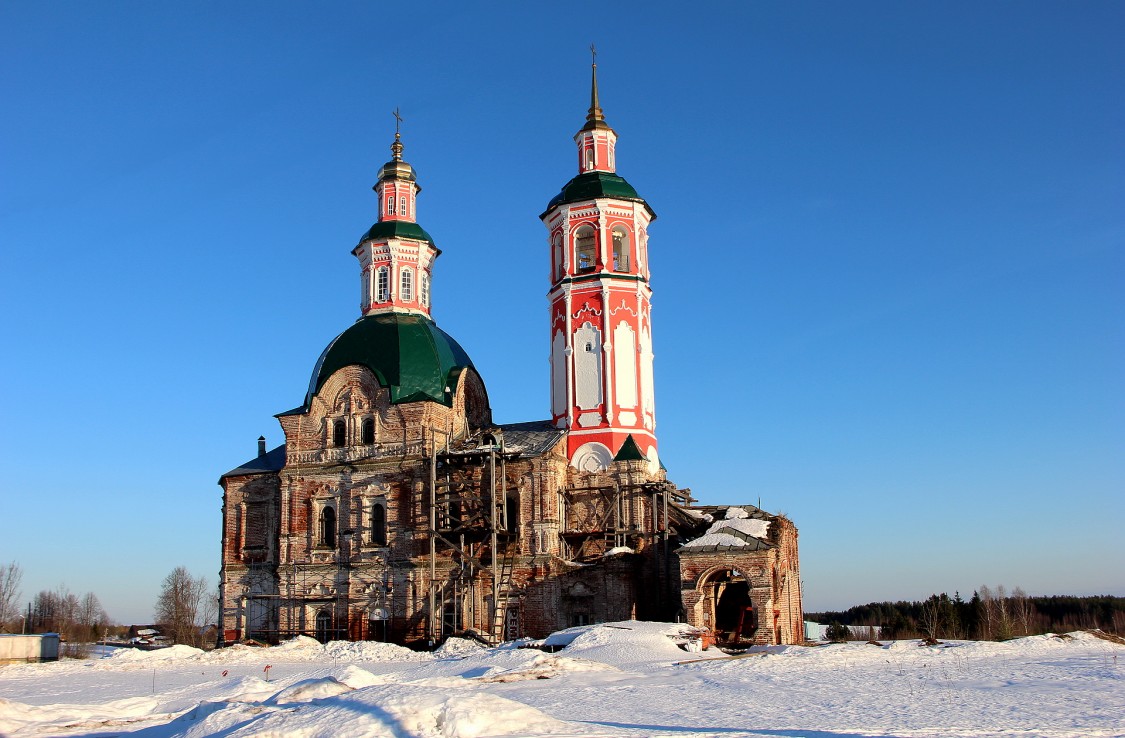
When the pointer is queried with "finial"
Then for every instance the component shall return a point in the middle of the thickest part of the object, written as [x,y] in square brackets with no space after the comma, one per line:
[396,147]
[595,113]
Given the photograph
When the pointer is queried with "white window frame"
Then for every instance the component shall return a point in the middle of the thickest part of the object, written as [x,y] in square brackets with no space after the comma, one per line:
[406,284]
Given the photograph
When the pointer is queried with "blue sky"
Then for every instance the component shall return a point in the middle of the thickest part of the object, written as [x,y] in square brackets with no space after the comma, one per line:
[887,269]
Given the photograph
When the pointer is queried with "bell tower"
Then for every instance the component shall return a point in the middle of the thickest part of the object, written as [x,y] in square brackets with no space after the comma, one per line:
[601,328]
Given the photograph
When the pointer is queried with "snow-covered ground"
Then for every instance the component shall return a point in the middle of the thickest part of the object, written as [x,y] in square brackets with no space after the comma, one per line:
[618,679]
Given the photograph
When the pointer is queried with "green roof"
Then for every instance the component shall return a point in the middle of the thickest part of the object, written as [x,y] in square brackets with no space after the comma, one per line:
[630,451]
[397,229]
[409,354]
[597,184]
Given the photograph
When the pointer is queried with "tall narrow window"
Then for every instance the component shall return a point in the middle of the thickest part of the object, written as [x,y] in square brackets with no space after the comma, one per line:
[425,288]
[560,267]
[368,432]
[620,250]
[584,248]
[402,206]
[391,205]
[328,527]
[590,158]
[323,626]
[383,285]
[339,434]
[407,292]
[378,525]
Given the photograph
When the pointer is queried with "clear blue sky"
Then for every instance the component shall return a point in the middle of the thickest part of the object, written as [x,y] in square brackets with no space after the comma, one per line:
[888,267]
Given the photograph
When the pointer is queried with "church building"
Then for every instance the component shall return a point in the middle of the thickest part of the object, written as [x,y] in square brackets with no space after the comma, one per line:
[398,510]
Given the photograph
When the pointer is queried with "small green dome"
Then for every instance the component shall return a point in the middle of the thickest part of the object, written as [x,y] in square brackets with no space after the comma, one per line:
[597,184]
[397,229]
[409,355]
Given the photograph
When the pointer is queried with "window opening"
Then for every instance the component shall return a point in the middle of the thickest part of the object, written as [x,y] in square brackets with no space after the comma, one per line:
[368,432]
[339,434]
[402,206]
[584,248]
[620,250]
[328,527]
[378,525]
[407,285]
[391,205]
[383,287]
[425,289]
[323,626]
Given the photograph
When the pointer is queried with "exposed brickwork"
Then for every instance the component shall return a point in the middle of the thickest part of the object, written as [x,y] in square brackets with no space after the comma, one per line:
[282,569]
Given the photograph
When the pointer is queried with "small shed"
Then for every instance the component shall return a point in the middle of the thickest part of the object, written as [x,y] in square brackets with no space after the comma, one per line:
[17,648]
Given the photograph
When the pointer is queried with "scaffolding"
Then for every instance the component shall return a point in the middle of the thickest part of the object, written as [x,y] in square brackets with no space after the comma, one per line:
[473,531]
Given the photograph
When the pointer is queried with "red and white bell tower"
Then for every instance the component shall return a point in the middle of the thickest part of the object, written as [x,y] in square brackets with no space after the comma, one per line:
[601,328]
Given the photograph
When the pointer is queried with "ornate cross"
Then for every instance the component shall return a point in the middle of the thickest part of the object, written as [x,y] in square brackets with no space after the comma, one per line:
[398,121]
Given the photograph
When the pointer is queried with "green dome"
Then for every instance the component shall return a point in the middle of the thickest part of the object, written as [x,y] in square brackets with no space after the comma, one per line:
[408,354]
[597,184]
[397,229]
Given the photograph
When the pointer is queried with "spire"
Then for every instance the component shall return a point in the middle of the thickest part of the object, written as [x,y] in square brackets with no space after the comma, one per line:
[595,113]
[594,118]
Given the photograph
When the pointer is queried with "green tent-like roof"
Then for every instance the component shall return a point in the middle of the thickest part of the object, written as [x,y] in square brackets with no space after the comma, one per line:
[630,451]
[597,184]
[408,354]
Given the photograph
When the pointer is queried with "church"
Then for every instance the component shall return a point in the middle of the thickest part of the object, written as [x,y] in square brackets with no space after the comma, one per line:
[397,510]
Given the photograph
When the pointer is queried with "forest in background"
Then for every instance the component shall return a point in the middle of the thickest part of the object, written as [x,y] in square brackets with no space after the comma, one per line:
[990,614]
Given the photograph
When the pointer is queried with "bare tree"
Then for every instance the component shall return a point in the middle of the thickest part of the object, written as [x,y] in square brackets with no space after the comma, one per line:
[987,618]
[182,606]
[91,618]
[11,575]
[931,617]
[1022,611]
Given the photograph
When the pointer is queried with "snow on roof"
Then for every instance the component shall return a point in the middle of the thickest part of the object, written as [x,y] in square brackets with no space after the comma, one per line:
[735,530]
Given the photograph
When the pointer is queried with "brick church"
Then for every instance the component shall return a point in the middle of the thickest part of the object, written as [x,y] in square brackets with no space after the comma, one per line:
[398,510]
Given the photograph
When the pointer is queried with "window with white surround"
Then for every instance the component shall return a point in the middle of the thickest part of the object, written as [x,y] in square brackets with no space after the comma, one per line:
[407,285]
[425,290]
[383,285]
[391,205]
[584,248]
[620,250]
[402,206]
[560,268]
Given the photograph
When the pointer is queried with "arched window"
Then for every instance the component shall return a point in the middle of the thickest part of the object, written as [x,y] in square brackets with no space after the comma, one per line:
[378,525]
[425,289]
[339,434]
[620,250]
[407,291]
[368,431]
[391,205]
[590,158]
[383,285]
[584,248]
[323,626]
[560,268]
[328,527]
[402,206]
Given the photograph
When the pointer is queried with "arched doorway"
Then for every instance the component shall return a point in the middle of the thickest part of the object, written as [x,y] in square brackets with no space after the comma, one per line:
[727,605]
[323,626]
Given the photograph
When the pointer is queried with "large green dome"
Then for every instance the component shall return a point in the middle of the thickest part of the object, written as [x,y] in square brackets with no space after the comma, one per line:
[408,354]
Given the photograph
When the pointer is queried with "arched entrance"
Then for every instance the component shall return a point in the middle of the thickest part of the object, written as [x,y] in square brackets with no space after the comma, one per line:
[727,605]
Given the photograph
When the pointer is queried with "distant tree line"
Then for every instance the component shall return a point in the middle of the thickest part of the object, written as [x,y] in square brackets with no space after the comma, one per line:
[990,614]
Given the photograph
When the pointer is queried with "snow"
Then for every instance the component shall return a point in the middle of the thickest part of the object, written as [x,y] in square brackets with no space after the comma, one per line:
[737,519]
[612,679]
